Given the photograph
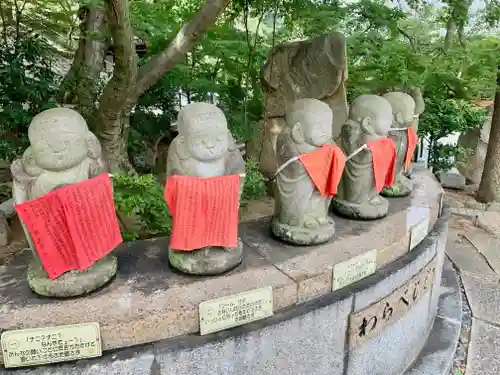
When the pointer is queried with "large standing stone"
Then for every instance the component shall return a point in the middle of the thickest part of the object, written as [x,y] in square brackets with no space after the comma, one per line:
[314,68]
[204,148]
[452,179]
[62,152]
[301,214]
[370,118]
[476,142]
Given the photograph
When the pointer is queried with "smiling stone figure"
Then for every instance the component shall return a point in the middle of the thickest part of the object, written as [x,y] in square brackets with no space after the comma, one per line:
[205,148]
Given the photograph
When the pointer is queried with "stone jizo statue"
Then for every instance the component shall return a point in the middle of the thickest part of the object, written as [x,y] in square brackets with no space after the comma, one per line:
[370,118]
[301,212]
[62,152]
[205,148]
[403,110]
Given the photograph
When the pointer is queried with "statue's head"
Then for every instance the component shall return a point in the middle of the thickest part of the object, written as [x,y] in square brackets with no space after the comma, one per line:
[203,132]
[310,121]
[373,113]
[403,108]
[60,139]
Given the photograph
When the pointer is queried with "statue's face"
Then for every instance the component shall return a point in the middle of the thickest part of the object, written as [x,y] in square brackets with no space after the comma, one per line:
[58,151]
[318,129]
[209,144]
[382,122]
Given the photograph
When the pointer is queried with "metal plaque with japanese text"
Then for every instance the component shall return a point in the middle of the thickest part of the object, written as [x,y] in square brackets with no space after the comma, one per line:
[36,346]
[354,269]
[419,232]
[371,321]
[231,311]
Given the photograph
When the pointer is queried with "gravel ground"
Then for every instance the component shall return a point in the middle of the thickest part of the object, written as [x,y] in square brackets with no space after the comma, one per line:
[460,359]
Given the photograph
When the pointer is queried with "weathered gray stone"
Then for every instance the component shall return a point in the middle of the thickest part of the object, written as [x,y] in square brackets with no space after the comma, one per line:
[472,203]
[314,68]
[476,142]
[205,148]
[490,222]
[63,151]
[311,344]
[436,356]
[301,212]
[464,255]
[484,297]
[370,118]
[487,245]
[452,179]
[493,206]
[403,110]
[379,357]
[483,358]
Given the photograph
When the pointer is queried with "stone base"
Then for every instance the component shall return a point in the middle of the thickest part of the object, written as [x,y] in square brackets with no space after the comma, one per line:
[303,236]
[72,283]
[396,190]
[209,261]
[365,211]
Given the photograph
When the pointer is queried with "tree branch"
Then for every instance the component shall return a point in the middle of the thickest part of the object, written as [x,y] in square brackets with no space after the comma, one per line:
[410,39]
[183,42]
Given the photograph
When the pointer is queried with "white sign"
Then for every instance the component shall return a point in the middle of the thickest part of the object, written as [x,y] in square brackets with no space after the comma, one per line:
[30,347]
[232,311]
[354,269]
[419,232]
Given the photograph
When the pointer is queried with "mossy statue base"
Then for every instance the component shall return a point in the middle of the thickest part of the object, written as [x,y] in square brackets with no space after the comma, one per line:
[375,209]
[72,283]
[303,235]
[401,188]
[209,261]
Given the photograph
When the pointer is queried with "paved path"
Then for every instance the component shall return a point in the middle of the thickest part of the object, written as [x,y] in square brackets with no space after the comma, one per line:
[474,249]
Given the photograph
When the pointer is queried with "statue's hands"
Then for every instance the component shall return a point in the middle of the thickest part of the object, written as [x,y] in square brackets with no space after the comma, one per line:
[19,174]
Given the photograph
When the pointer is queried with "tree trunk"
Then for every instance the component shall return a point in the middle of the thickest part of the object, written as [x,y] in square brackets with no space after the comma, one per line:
[489,188]
[113,113]
[87,88]
[80,86]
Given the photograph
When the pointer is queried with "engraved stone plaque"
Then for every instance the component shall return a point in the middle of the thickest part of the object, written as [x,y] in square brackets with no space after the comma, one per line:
[418,232]
[354,269]
[29,347]
[235,310]
[371,321]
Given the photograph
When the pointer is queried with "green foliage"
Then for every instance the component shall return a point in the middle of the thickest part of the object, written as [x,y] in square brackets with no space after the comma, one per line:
[255,186]
[28,87]
[443,157]
[142,197]
[444,117]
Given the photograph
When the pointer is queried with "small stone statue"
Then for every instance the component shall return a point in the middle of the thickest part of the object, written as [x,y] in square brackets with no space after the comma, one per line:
[370,119]
[403,110]
[301,212]
[62,152]
[417,95]
[205,148]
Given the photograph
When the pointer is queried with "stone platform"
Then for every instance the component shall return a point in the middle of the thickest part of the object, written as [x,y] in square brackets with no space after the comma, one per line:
[149,314]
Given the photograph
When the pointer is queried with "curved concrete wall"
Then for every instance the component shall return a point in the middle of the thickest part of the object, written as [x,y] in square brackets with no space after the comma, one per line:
[308,339]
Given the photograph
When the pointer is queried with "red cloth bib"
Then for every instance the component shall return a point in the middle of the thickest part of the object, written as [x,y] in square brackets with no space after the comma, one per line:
[74,226]
[325,166]
[384,162]
[204,211]
[411,145]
